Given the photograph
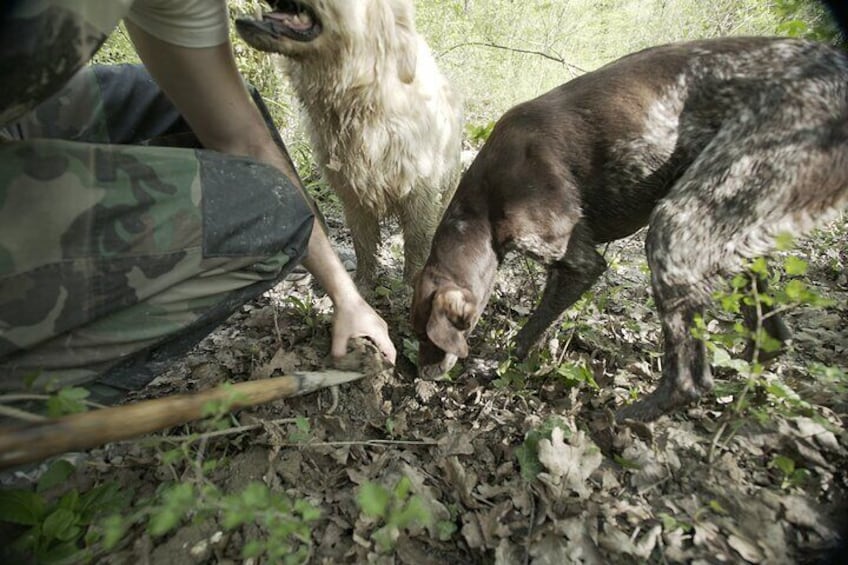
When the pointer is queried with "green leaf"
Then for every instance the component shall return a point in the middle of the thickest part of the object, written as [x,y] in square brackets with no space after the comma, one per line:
[308,513]
[114,527]
[795,290]
[373,500]
[626,463]
[70,500]
[795,266]
[794,28]
[302,424]
[60,525]
[68,400]
[210,465]
[163,521]
[236,516]
[716,507]
[670,523]
[171,456]
[767,343]
[21,507]
[445,529]
[410,350]
[64,553]
[402,488]
[528,459]
[252,549]
[255,495]
[57,473]
[784,241]
[414,511]
[385,538]
[108,497]
[785,464]
[759,266]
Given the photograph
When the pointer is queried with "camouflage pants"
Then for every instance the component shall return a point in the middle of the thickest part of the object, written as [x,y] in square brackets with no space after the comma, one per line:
[120,245]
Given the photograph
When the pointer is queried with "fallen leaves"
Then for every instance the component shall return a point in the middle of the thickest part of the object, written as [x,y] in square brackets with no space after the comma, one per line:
[541,474]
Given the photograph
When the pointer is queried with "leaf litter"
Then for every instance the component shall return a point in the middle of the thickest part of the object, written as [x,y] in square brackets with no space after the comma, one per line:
[525,469]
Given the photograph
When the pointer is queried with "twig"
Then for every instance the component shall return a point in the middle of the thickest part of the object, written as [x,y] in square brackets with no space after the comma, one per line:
[334,392]
[228,431]
[22,415]
[20,397]
[532,520]
[714,442]
[559,60]
[371,442]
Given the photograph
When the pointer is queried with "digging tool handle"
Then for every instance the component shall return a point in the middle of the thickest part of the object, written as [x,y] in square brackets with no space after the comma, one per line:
[90,429]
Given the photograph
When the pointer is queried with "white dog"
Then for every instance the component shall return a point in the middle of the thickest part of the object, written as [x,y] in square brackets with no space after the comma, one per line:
[384,123]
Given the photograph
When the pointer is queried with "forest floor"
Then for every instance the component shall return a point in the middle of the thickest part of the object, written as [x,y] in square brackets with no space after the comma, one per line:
[505,462]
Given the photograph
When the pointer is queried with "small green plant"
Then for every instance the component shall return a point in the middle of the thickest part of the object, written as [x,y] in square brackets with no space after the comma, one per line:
[301,432]
[670,523]
[283,525]
[807,19]
[786,292]
[478,134]
[577,374]
[513,374]
[410,350]
[790,474]
[835,378]
[305,309]
[67,400]
[61,528]
[528,452]
[396,509]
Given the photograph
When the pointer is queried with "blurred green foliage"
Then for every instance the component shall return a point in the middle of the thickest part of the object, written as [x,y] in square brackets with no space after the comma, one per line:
[498,53]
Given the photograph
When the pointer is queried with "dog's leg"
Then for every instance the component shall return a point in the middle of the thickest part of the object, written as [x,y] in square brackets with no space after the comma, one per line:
[419,216]
[680,278]
[764,319]
[364,226]
[568,279]
[761,176]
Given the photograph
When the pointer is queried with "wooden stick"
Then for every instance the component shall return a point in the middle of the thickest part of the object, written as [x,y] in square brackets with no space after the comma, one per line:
[76,432]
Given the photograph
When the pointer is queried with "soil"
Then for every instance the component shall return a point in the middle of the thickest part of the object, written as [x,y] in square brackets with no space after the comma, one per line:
[521,463]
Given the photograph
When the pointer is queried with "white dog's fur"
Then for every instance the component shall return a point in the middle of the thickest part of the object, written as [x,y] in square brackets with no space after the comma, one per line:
[384,123]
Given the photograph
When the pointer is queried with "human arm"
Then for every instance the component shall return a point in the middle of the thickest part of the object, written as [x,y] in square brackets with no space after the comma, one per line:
[205,86]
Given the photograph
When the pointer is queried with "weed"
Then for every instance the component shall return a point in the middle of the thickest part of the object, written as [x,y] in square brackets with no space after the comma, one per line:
[528,452]
[786,292]
[396,509]
[78,527]
[790,474]
[478,134]
[60,528]
[283,525]
[305,310]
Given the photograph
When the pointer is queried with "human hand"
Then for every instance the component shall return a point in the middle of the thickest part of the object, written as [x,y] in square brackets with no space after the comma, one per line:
[355,318]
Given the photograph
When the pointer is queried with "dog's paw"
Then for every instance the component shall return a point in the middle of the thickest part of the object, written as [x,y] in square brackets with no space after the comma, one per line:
[665,399]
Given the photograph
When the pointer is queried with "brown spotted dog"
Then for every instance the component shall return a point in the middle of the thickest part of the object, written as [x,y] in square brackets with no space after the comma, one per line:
[717,145]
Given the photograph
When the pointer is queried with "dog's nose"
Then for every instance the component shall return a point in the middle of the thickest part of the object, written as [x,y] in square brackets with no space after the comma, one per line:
[437,371]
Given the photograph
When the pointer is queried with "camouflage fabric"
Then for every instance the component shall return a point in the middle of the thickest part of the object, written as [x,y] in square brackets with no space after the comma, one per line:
[43,43]
[121,242]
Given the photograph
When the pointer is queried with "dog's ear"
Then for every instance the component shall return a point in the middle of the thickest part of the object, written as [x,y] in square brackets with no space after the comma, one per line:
[407,39]
[452,313]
